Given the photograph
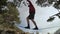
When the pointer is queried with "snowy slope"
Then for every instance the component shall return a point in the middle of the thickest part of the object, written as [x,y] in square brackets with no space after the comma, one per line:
[42,14]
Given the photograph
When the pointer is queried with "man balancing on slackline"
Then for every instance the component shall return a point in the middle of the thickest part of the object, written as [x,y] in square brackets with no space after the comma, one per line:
[31,15]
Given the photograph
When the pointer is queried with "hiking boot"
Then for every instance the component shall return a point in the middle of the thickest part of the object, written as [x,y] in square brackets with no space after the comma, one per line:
[27,27]
[35,28]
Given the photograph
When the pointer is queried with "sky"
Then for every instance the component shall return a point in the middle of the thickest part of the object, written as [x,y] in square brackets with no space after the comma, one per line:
[41,16]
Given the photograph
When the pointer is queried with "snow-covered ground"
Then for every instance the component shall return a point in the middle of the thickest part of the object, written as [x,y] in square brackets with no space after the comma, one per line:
[41,16]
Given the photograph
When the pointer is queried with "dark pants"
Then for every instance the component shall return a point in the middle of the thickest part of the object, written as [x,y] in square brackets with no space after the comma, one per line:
[31,15]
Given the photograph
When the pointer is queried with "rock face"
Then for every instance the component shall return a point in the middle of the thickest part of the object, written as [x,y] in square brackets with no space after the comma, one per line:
[57,32]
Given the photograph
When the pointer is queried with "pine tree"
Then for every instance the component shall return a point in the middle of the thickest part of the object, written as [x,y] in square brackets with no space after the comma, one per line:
[8,15]
[44,3]
[8,18]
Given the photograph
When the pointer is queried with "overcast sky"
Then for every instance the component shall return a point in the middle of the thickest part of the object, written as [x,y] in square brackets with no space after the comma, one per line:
[41,16]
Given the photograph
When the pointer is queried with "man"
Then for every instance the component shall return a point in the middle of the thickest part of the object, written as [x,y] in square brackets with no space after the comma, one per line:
[31,15]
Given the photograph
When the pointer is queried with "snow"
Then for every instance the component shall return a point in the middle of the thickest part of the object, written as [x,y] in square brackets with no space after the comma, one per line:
[41,16]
